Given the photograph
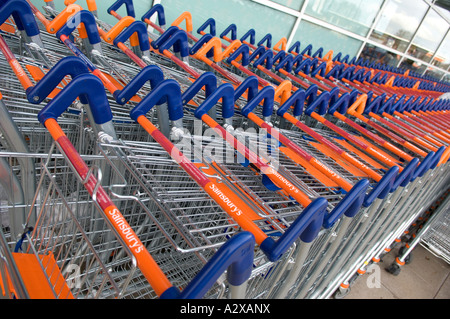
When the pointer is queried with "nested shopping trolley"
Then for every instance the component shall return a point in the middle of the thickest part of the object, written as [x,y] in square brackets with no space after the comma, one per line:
[193,221]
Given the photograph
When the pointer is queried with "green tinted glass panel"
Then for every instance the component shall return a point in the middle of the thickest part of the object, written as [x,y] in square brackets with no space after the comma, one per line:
[442,57]
[245,14]
[293,4]
[353,15]
[398,22]
[429,36]
[317,36]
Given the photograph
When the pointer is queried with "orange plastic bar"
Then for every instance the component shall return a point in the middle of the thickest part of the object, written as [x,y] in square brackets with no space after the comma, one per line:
[380,141]
[335,177]
[61,19]
[117,29]
[185,16]
[15,65]
[403,132]
[145,262]
[364,168]
[222,196]
[214,44]
[413,130]
[278,179]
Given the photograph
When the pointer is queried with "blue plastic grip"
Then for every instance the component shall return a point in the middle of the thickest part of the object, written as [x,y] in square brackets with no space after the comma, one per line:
[244,52]
[374,105]
[295,47]
[224,92]
[321,103]
[151,73]
[320,69]
[306,226]
[266,57]
[89,89]
[297,100]
[334,95]
[383,187]
[249,85]
[267,94]
[138,27]
[405,176]
[236,255]
[88,20]
[211,23]
[207,80]
[304,66]
[424,166]
[158,9]
[349,205]
[178,40]
[279,57]
[22,14]
[168,89]
[250,33]
[199,44]
[318,53]
[128,4]
[164,37]
[267,38]
[71,65]
[285,63]
[231,28]
[437,157]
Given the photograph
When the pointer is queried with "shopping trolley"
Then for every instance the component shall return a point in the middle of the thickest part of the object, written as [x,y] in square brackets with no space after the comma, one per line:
[279,269]
[100,199]
[434,236]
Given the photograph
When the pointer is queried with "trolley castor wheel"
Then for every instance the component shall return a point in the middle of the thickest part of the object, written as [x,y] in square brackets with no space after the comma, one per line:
[393,269]
[341,293]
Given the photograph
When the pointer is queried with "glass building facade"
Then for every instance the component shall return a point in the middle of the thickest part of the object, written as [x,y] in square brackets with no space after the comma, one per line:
[411,34]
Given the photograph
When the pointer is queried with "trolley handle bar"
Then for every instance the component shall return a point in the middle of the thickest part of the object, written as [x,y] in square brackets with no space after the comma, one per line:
[139,28]
[22,14]
[236,255]
[90,90]
[128,5]
[159,10]
[307,224]
[90,26]
[70,65]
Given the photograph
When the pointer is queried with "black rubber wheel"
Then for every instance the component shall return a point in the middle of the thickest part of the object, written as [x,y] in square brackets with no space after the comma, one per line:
[393,269]
[341,293]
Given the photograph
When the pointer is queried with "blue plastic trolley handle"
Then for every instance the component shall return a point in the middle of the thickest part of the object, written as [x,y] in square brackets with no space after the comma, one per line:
[159,10]
[140,29]
[128,4]
[168,89]
[22,14]
[88,20]
[224,92]
[89,89]
[235,256]
[150,73]
[211,23]
[71,65]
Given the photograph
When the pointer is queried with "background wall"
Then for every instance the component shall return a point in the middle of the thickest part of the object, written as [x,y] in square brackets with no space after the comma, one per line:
[412,34]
